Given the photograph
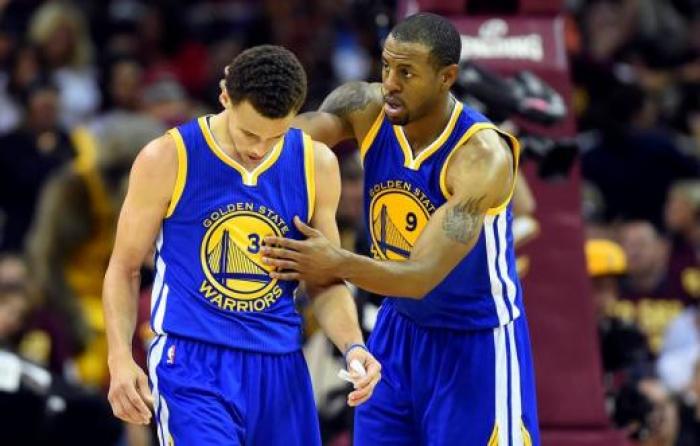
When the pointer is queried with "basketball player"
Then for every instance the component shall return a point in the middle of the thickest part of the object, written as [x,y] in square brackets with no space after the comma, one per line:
[226,366]
[451,335]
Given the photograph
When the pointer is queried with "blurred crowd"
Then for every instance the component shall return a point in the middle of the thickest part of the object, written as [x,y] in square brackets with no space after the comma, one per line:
[85,84]
[636,69]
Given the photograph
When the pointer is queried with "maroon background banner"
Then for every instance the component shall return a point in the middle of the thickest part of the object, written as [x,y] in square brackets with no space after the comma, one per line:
[557,288]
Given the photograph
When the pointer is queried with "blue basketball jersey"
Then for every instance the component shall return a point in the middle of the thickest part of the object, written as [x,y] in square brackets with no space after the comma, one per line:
[401,193]
[211,284]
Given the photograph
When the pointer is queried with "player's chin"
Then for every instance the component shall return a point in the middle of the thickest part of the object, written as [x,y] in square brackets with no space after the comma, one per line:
[400,119]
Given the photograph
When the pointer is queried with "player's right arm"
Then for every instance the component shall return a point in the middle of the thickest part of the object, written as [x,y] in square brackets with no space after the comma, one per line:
[347,112]
[151,183]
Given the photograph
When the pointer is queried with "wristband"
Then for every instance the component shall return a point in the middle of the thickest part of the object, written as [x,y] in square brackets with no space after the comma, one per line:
[354,346]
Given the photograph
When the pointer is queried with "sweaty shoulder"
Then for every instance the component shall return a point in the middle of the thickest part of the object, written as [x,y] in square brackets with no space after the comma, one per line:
[357,102]
[483,163]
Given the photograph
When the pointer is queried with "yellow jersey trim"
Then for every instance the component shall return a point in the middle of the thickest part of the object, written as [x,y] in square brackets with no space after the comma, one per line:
[493,440]
[250,178]
[527,440]
[371,135]
[405,146]
[181,171]
[515,147]
[468,134]
[414,163]
[310,174]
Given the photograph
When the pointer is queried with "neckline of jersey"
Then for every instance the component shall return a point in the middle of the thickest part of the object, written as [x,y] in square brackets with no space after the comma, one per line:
[414,163]
[249,177]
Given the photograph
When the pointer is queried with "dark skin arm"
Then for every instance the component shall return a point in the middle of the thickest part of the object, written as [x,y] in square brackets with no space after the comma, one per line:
[479,177]
[347,112]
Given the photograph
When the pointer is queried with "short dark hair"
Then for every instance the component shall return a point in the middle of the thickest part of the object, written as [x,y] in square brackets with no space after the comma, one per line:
[433,31]
[270,77]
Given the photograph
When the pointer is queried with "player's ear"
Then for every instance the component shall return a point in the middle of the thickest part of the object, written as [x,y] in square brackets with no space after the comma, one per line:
[223,95]
[448,76]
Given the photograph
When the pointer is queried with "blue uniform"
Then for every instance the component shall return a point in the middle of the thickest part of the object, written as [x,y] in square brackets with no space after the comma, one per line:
[226,366]
[456,367]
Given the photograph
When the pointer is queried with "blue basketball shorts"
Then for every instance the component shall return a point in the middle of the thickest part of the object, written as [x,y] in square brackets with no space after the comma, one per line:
[209,395]
[448,388]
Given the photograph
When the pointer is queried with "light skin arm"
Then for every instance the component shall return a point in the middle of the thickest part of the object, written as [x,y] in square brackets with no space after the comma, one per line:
[150,187]
[332,304]
[480,177]
[347,112]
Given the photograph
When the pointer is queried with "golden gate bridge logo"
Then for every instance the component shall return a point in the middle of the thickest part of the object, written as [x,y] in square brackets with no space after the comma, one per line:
[397,219]
[231,258]
[390,238]
[228,261]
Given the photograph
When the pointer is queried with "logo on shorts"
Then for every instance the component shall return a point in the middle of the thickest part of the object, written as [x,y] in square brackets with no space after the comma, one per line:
[398,214]
[236,277]
[171,355]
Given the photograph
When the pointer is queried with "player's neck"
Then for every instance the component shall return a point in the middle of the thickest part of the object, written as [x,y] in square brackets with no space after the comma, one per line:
[422,132]
[217,125]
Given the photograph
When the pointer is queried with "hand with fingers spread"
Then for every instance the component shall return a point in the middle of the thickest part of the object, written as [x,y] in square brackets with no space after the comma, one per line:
[129,394]
[364,384]
[314,260]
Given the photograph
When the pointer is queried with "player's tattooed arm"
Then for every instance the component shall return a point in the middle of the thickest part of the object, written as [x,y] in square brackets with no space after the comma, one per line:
[462,221]
[348,112]
[350,98]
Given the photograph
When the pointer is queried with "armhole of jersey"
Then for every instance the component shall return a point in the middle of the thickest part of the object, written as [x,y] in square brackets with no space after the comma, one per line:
[310,175]
[468,134]
[371,135]
[181,171]
[515,148]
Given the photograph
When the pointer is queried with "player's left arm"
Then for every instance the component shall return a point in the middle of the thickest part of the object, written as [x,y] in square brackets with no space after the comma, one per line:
[480,177]
[331,301]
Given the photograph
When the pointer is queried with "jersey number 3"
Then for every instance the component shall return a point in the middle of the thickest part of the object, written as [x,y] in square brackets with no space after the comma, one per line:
[254,243]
